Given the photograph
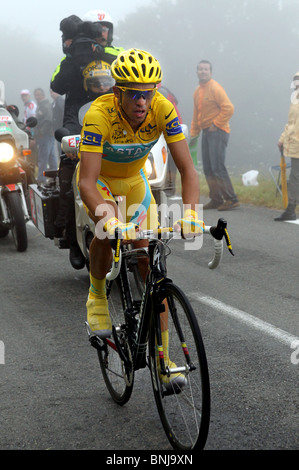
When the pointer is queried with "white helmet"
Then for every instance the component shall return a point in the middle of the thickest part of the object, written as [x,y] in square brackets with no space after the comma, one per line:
[100,16]
[97,15]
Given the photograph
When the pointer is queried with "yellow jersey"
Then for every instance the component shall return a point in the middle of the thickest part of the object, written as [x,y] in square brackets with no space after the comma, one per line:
[124,153]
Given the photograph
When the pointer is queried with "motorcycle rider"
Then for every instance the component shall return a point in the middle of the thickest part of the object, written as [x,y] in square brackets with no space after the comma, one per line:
[83,42]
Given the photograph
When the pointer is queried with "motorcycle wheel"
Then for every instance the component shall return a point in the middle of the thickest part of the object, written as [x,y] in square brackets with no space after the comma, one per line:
[18,224]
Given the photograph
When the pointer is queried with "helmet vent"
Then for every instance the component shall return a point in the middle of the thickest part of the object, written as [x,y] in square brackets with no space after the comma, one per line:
[135,71]
[119,73]
[125,71]
[143,69]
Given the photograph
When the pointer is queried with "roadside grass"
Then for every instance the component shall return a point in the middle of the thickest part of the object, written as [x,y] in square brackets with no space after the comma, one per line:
[265,194]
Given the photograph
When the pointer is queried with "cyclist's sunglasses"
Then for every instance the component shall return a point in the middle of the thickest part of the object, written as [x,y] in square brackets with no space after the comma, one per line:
[135,95]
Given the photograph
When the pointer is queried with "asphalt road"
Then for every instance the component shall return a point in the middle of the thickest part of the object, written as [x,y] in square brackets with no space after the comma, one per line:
[52,392]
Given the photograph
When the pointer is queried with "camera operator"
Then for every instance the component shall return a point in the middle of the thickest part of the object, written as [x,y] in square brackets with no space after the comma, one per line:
[83,42]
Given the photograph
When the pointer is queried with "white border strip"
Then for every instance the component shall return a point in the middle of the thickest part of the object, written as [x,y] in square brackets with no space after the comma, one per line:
[250,320]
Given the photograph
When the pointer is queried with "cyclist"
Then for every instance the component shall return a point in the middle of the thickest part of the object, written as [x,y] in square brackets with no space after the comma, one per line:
[117,134]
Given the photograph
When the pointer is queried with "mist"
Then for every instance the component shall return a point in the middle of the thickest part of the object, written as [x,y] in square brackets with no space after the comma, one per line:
[253,46]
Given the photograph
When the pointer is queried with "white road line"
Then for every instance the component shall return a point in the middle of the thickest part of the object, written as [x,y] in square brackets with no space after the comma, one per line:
[247,318]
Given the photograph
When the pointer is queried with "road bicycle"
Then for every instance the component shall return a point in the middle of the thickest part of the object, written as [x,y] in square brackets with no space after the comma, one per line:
[178,364]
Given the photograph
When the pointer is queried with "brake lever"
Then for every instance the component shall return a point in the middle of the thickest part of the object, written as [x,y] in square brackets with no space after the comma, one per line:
[221,231]
[228,242]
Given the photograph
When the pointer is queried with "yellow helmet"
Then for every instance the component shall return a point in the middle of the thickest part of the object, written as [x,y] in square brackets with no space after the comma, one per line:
[97,73]
[136,66]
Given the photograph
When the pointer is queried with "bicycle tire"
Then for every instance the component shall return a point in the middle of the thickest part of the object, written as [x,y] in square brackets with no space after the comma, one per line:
[184,411]
[118,378]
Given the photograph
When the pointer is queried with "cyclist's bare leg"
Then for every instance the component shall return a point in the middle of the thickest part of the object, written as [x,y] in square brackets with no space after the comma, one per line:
[142,261]
[100,254]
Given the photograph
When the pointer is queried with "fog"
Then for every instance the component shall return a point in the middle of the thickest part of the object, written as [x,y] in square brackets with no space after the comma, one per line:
[252,44]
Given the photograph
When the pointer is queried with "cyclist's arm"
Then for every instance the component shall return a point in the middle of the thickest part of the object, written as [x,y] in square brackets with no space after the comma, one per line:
[190,181]
[90,168]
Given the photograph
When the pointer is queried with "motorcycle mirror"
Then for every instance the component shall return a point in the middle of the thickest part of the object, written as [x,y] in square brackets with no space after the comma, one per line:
[31,122]
[60,133]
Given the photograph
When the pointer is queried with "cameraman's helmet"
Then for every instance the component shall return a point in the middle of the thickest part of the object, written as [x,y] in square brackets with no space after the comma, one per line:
[100,16]
[136,66]
[98,74]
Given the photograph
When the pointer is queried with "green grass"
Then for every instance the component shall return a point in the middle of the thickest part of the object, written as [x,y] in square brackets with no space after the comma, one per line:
[263,195]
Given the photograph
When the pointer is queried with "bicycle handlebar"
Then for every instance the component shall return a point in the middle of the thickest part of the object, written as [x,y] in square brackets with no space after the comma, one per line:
[217,232]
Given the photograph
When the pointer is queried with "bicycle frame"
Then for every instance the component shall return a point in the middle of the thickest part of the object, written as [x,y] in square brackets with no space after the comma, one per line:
[138,331]
[151,301]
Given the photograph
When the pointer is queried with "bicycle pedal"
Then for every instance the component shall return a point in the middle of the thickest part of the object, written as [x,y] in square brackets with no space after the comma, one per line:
[94,340]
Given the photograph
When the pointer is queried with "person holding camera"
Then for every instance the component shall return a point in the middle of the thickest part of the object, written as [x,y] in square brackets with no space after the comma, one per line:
[84,42]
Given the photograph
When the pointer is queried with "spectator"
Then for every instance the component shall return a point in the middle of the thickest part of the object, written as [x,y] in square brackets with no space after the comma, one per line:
[44,135]
[29,105]
[58,111]
[30,111]
[211,114]
[288,145]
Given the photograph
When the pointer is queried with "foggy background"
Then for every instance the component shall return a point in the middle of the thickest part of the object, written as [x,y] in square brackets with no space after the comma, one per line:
[252,44]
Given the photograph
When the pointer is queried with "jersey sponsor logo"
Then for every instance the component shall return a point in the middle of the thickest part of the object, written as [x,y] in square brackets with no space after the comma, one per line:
[173,127]
[167,116]
[126,153]
[146,133]
[90,138]
[112,112]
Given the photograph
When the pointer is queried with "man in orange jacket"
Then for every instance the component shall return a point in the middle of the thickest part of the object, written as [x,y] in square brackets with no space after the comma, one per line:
[211,114]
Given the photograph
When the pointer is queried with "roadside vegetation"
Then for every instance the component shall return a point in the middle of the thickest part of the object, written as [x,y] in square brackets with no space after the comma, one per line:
[264,195]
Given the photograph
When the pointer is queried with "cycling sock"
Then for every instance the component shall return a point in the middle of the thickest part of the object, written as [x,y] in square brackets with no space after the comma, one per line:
[164,335]
[97,289]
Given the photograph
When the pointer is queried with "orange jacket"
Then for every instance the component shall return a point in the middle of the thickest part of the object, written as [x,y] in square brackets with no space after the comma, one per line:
[211,106]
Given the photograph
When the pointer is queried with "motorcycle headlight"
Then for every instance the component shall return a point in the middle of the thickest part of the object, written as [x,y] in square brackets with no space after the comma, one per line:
[6,152]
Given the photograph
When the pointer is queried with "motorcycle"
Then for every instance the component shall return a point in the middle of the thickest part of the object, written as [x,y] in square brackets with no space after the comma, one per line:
[161,172]
[14,146]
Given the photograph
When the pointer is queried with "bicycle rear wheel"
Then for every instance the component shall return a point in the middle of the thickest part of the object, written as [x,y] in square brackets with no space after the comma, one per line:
[184,407]
[118,374]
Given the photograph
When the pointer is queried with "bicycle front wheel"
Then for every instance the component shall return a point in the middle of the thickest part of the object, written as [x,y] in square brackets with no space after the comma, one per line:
[183,395]
[118,373]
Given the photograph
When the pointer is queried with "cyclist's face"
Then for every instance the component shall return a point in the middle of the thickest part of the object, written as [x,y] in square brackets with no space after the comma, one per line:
[136,108]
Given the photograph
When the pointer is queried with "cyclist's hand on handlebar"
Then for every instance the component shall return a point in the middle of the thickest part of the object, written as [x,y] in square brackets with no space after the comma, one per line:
[190,224]
[128,231]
